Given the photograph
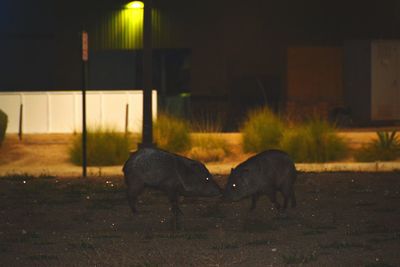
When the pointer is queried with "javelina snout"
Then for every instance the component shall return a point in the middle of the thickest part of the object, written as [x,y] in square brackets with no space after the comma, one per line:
[168,172]
[263,174]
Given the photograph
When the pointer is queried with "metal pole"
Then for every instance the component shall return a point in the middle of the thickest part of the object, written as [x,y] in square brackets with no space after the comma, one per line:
[84,133]
[147,131]
[21,109]
[84,88]
[126,118]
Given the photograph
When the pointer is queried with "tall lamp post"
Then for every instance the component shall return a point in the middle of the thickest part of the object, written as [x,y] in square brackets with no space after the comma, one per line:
[147,130]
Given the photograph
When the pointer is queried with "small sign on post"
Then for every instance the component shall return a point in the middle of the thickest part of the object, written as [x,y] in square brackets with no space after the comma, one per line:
[85,46]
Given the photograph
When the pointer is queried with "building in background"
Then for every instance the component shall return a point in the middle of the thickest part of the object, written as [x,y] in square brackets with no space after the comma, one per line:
[218,58]
[372,70]
[314,81]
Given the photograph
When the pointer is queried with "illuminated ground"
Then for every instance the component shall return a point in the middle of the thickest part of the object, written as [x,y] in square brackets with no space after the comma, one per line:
[342,219]
[48,154]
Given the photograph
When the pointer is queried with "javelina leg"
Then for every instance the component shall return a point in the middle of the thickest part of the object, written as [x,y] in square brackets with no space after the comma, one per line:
[285,201]
[288,194]
[293,197]
[272,196]
[254,199]
[173,199]
[134,189]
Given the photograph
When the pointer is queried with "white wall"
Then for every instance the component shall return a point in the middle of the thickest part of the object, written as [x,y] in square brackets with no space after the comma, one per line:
[61,112]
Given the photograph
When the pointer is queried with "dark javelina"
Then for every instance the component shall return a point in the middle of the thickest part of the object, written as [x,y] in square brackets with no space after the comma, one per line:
[265,173]
[173,174]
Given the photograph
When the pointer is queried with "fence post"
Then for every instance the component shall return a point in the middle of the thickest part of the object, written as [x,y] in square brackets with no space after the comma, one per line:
[126,118]
[21,108]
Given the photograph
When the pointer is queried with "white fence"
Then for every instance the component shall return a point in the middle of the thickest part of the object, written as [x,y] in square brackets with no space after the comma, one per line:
[61,112]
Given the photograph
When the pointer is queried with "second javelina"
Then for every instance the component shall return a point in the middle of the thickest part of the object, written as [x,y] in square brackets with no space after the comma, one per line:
[265,173]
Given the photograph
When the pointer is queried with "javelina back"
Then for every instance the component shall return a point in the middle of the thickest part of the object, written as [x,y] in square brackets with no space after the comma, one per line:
[265,173]
[173,174]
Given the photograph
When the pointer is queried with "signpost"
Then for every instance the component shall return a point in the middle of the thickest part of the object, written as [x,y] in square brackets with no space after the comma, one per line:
[85,58]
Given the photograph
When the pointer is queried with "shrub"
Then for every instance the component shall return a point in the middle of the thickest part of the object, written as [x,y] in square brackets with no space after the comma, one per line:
[293,143]
[208,122]
[171,133]
[386,147]
[3,126]
[315,141]
[208,147]
[262,130]
[105,147]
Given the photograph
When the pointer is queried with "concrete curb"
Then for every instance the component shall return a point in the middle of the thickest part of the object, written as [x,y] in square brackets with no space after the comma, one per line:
[215,168]
[224,169]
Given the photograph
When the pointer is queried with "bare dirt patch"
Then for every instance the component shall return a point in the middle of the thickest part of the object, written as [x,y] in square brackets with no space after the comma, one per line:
[38,154]
[342,219]
[39,150]
[48,153]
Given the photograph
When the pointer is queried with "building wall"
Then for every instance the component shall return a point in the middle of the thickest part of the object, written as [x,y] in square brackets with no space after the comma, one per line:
[357,80]
[371,75]
[314,80]
[385,80]
[237,48]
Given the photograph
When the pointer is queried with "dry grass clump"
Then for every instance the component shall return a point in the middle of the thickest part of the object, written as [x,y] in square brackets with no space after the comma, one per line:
[208,147]
[262,130]
[171,133]
[314,141]
[105,147]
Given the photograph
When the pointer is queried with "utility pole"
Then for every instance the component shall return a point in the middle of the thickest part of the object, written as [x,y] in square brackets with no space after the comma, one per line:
[147,131]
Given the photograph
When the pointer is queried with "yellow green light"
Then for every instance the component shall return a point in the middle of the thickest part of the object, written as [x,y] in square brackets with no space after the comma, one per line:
[135,5]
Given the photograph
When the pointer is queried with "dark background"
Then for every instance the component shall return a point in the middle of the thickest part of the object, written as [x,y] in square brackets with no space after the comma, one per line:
[226,54]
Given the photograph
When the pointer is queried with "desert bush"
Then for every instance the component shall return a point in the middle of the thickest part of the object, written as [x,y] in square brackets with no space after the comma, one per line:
[385,148]
[3,126]
[314,141]
[208,147]
[262,130]
[105,147]
[207,122]
[171,133]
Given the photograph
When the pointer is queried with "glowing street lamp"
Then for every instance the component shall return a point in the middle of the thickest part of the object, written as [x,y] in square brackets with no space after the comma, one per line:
[147,131]
[135,5]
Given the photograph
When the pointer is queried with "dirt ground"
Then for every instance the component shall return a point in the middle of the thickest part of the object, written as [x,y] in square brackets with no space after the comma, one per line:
[342,219]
